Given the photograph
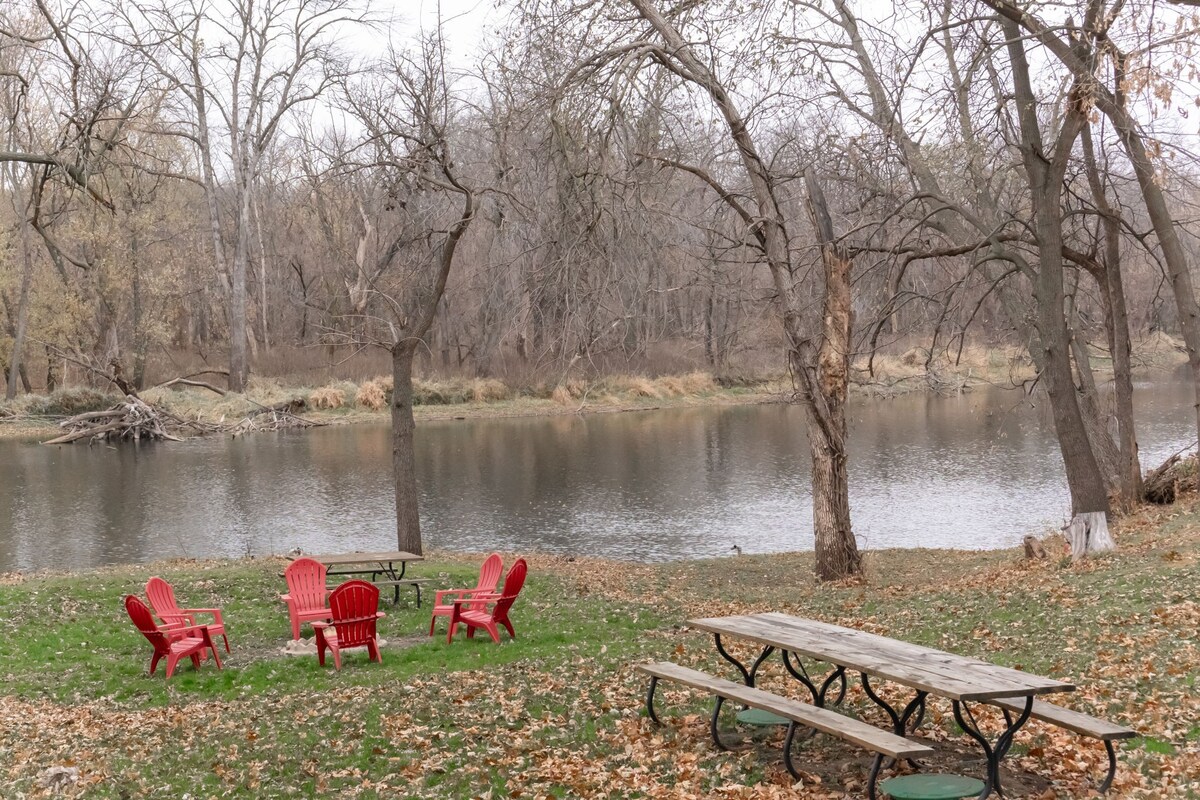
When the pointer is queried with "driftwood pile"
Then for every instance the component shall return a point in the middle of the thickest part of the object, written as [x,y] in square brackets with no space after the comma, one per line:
[1174,476]
[134,419]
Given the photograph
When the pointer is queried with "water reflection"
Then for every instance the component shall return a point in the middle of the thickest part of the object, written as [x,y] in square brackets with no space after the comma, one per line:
[975,471]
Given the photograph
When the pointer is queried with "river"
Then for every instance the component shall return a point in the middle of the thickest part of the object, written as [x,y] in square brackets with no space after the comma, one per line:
[974,471]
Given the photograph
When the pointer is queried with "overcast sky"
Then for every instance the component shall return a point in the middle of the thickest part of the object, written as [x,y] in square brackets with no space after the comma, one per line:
[464,21]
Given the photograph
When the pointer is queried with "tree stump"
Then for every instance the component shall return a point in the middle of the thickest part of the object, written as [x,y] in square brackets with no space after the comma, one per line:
[1034,549]
[1088,534]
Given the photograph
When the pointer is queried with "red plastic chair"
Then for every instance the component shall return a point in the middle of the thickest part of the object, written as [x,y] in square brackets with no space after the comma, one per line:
[355,607]
[489,577]
[188,641]
[162,600]
[467,612]
[306,593]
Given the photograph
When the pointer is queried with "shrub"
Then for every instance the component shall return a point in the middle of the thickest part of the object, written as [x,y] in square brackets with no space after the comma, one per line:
[371,395]
[329,397]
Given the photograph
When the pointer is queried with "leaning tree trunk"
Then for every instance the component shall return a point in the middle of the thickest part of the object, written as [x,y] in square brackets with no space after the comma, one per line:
[408,517]
[1045,180]
[824,387]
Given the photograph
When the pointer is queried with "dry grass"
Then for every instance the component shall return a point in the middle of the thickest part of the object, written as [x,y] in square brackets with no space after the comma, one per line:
[371,395]
[327,397]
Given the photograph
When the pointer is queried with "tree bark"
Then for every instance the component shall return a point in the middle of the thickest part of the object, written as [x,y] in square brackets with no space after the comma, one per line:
[16,365]
[837,553]
[404,467]
[1117,316]
[1088,534]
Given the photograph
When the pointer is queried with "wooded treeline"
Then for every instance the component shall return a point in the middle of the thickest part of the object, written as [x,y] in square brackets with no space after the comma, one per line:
[617,184]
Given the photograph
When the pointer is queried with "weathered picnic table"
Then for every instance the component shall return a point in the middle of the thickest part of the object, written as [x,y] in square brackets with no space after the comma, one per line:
[962,680]
[383,563]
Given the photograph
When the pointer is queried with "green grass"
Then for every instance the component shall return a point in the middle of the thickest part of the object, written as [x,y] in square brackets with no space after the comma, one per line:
[558,712]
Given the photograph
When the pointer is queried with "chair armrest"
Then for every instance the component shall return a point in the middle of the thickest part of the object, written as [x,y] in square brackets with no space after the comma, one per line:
[317,624]
[216,612]
[287,598]
[486,600]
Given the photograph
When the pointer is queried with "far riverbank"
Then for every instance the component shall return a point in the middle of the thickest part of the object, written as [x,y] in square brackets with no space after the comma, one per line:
[346,402]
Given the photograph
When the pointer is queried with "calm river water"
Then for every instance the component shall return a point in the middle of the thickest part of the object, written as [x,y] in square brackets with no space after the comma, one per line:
[975,471]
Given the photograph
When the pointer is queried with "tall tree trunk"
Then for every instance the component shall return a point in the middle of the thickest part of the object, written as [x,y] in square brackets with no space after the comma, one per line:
[1117,317]
[408,517]
[1045,180]
[238,368]
[827,385]
[16,367]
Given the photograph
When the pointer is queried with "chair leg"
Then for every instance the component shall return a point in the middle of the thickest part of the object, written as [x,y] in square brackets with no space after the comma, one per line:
[172,659]
[154,662]
[295,629]
[432,622]
[450,632]
[227,650]
[321,645]
[505,622]
[470,631]
[373,651]
[493,631]
[196,660]
[337,657]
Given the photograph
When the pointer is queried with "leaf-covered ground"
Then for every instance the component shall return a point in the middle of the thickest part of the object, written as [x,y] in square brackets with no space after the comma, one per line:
[558,712]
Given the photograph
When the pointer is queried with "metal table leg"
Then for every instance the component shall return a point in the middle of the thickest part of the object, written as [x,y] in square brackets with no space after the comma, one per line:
[798,672]
[992,753]
[748,675]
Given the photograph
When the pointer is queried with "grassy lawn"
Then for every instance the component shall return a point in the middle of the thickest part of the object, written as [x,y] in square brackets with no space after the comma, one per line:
[558,713]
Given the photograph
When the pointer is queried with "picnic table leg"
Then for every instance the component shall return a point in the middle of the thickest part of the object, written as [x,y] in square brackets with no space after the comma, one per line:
[747,674]
[899,721]
[818,695]
[993,754]
[712,727]
[1112,766]
[650,700]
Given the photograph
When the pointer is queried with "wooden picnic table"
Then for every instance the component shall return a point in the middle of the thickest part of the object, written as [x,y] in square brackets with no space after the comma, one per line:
[374,564]
[960,679]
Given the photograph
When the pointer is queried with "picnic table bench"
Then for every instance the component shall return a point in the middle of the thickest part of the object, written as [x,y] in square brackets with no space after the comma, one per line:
[965,681]
[376,564]
[867,736]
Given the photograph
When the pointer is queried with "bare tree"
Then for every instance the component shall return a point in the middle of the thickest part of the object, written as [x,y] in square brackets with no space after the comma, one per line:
[241,67]
[423,211]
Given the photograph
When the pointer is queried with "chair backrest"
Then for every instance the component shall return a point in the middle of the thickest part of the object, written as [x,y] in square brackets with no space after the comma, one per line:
[513,582]
[306,583]
[353,606]
[162,598]
[489,573]
[143,620]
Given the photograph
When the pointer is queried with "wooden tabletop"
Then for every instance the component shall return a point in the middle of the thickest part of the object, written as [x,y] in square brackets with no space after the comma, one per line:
[363,558]
[943,674]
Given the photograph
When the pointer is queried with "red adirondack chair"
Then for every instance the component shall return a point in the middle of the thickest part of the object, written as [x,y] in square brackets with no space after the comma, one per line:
[174,642]
[466,612]
[489,576]
[355,607]
[306,593]
[162,600]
